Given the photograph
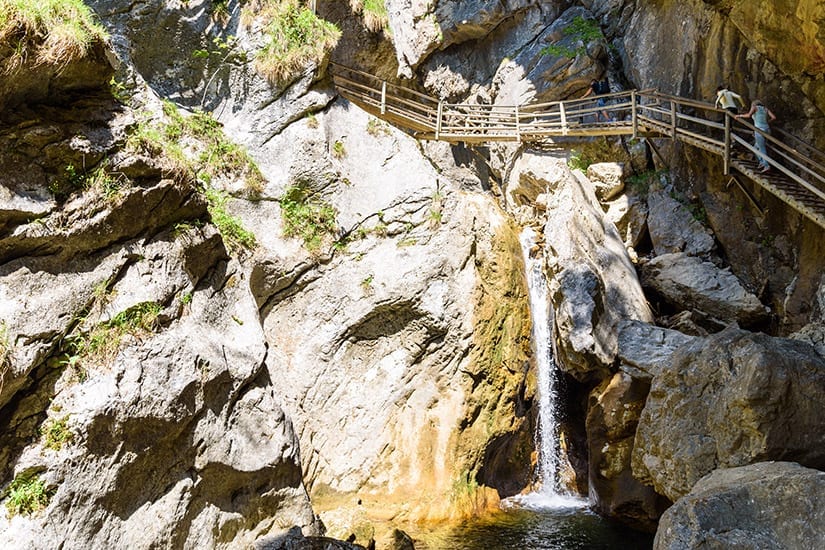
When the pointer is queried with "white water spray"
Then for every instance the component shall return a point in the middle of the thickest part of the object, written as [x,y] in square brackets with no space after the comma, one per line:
[550,493]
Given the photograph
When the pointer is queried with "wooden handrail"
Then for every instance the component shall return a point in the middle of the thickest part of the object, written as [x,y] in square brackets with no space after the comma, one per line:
[635,112]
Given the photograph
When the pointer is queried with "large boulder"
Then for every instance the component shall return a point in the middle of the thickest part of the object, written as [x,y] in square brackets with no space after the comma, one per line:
[612,416]
[673,228]
[728,400]
[645,350]
[688,282]
[764,505]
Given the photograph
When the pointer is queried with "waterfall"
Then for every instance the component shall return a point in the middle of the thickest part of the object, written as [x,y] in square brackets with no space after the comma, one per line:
[550,493]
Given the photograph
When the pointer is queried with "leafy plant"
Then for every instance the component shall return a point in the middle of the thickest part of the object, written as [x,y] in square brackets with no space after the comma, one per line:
[580,31]
[56,432]
[338,149]
[220,10]
[294,38]
[436,209]
[231,229]
[312,120]
[118,90]
[366,283]
[52,32]
[579,160]
[27,494]
[307,217]
[376,128]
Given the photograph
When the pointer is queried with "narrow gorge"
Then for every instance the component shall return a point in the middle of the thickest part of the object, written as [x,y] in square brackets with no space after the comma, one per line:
[242,307]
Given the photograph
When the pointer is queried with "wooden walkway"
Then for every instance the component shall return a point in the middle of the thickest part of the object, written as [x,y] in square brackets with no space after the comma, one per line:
[797,175]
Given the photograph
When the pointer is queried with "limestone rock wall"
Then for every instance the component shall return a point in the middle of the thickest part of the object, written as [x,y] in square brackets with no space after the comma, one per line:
[404,334]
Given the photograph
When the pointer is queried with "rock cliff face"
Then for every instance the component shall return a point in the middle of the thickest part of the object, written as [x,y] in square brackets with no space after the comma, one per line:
[162,386]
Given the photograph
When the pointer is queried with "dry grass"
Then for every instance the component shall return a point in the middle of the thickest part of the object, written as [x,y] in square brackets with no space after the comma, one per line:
[46,32]
[374,13]
[295,38]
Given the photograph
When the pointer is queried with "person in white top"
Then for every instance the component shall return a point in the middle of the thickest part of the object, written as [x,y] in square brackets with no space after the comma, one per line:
[728,99]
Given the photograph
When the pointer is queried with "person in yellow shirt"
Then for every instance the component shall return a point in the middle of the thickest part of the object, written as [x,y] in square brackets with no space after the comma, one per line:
[728,99]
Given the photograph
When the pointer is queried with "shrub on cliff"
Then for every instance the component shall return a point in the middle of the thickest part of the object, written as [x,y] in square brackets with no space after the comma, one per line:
[46,32]
[374,13]
[294,38]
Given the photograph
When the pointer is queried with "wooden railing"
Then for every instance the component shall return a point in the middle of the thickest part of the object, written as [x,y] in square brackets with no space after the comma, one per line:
[798,169]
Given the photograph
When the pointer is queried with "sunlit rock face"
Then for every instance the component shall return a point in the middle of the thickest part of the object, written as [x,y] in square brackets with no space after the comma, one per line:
[415,334]
[593,283]
[764,505]
[728,400]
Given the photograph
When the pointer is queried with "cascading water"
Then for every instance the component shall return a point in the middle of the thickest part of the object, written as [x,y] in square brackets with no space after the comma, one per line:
[550,493]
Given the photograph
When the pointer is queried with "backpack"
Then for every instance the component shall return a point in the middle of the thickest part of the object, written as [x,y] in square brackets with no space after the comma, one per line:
[603,87]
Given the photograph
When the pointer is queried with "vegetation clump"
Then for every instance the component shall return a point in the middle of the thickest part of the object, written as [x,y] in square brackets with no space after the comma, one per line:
[214,154]
[46,32]
[294,38]
[56,433]
[231,229]
[27,494]
[100,344]
[580,31]
[374,13]
[209,154]
[307,217]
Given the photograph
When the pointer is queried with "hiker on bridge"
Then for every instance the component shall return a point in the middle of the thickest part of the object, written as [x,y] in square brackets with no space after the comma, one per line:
[597,88]
[728,100]
[760,115]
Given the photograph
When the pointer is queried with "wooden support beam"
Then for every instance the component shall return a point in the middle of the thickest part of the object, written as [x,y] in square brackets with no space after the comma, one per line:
[658,154]
[751,199]
[726,153]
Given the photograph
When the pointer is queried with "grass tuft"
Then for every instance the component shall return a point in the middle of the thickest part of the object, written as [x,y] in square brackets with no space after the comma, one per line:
[294,38]
[307,217]
[46,32]
[56,432]
[100,345]
[27,494]
[231,229]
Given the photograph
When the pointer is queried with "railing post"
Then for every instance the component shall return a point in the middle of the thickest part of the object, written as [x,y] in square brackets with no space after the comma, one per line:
[438,119]
[727,144]
[634,117]
[384,97]
[518,127]
[673,118]
[563,114]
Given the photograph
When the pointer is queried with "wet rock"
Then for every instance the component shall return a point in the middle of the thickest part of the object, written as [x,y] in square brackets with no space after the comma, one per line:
[764,505]
[612,417]
[731,399]
[595,285]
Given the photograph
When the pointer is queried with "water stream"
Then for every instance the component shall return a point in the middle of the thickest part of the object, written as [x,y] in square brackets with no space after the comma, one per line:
[550,518]
[550,493]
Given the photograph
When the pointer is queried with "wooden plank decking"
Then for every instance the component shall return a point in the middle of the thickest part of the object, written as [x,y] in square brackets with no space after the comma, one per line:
[797,175]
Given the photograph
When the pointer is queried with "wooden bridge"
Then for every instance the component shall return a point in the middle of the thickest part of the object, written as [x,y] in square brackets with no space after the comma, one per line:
[797,174]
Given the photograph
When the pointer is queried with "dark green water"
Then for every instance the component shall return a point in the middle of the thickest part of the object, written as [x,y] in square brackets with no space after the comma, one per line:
[540,528]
